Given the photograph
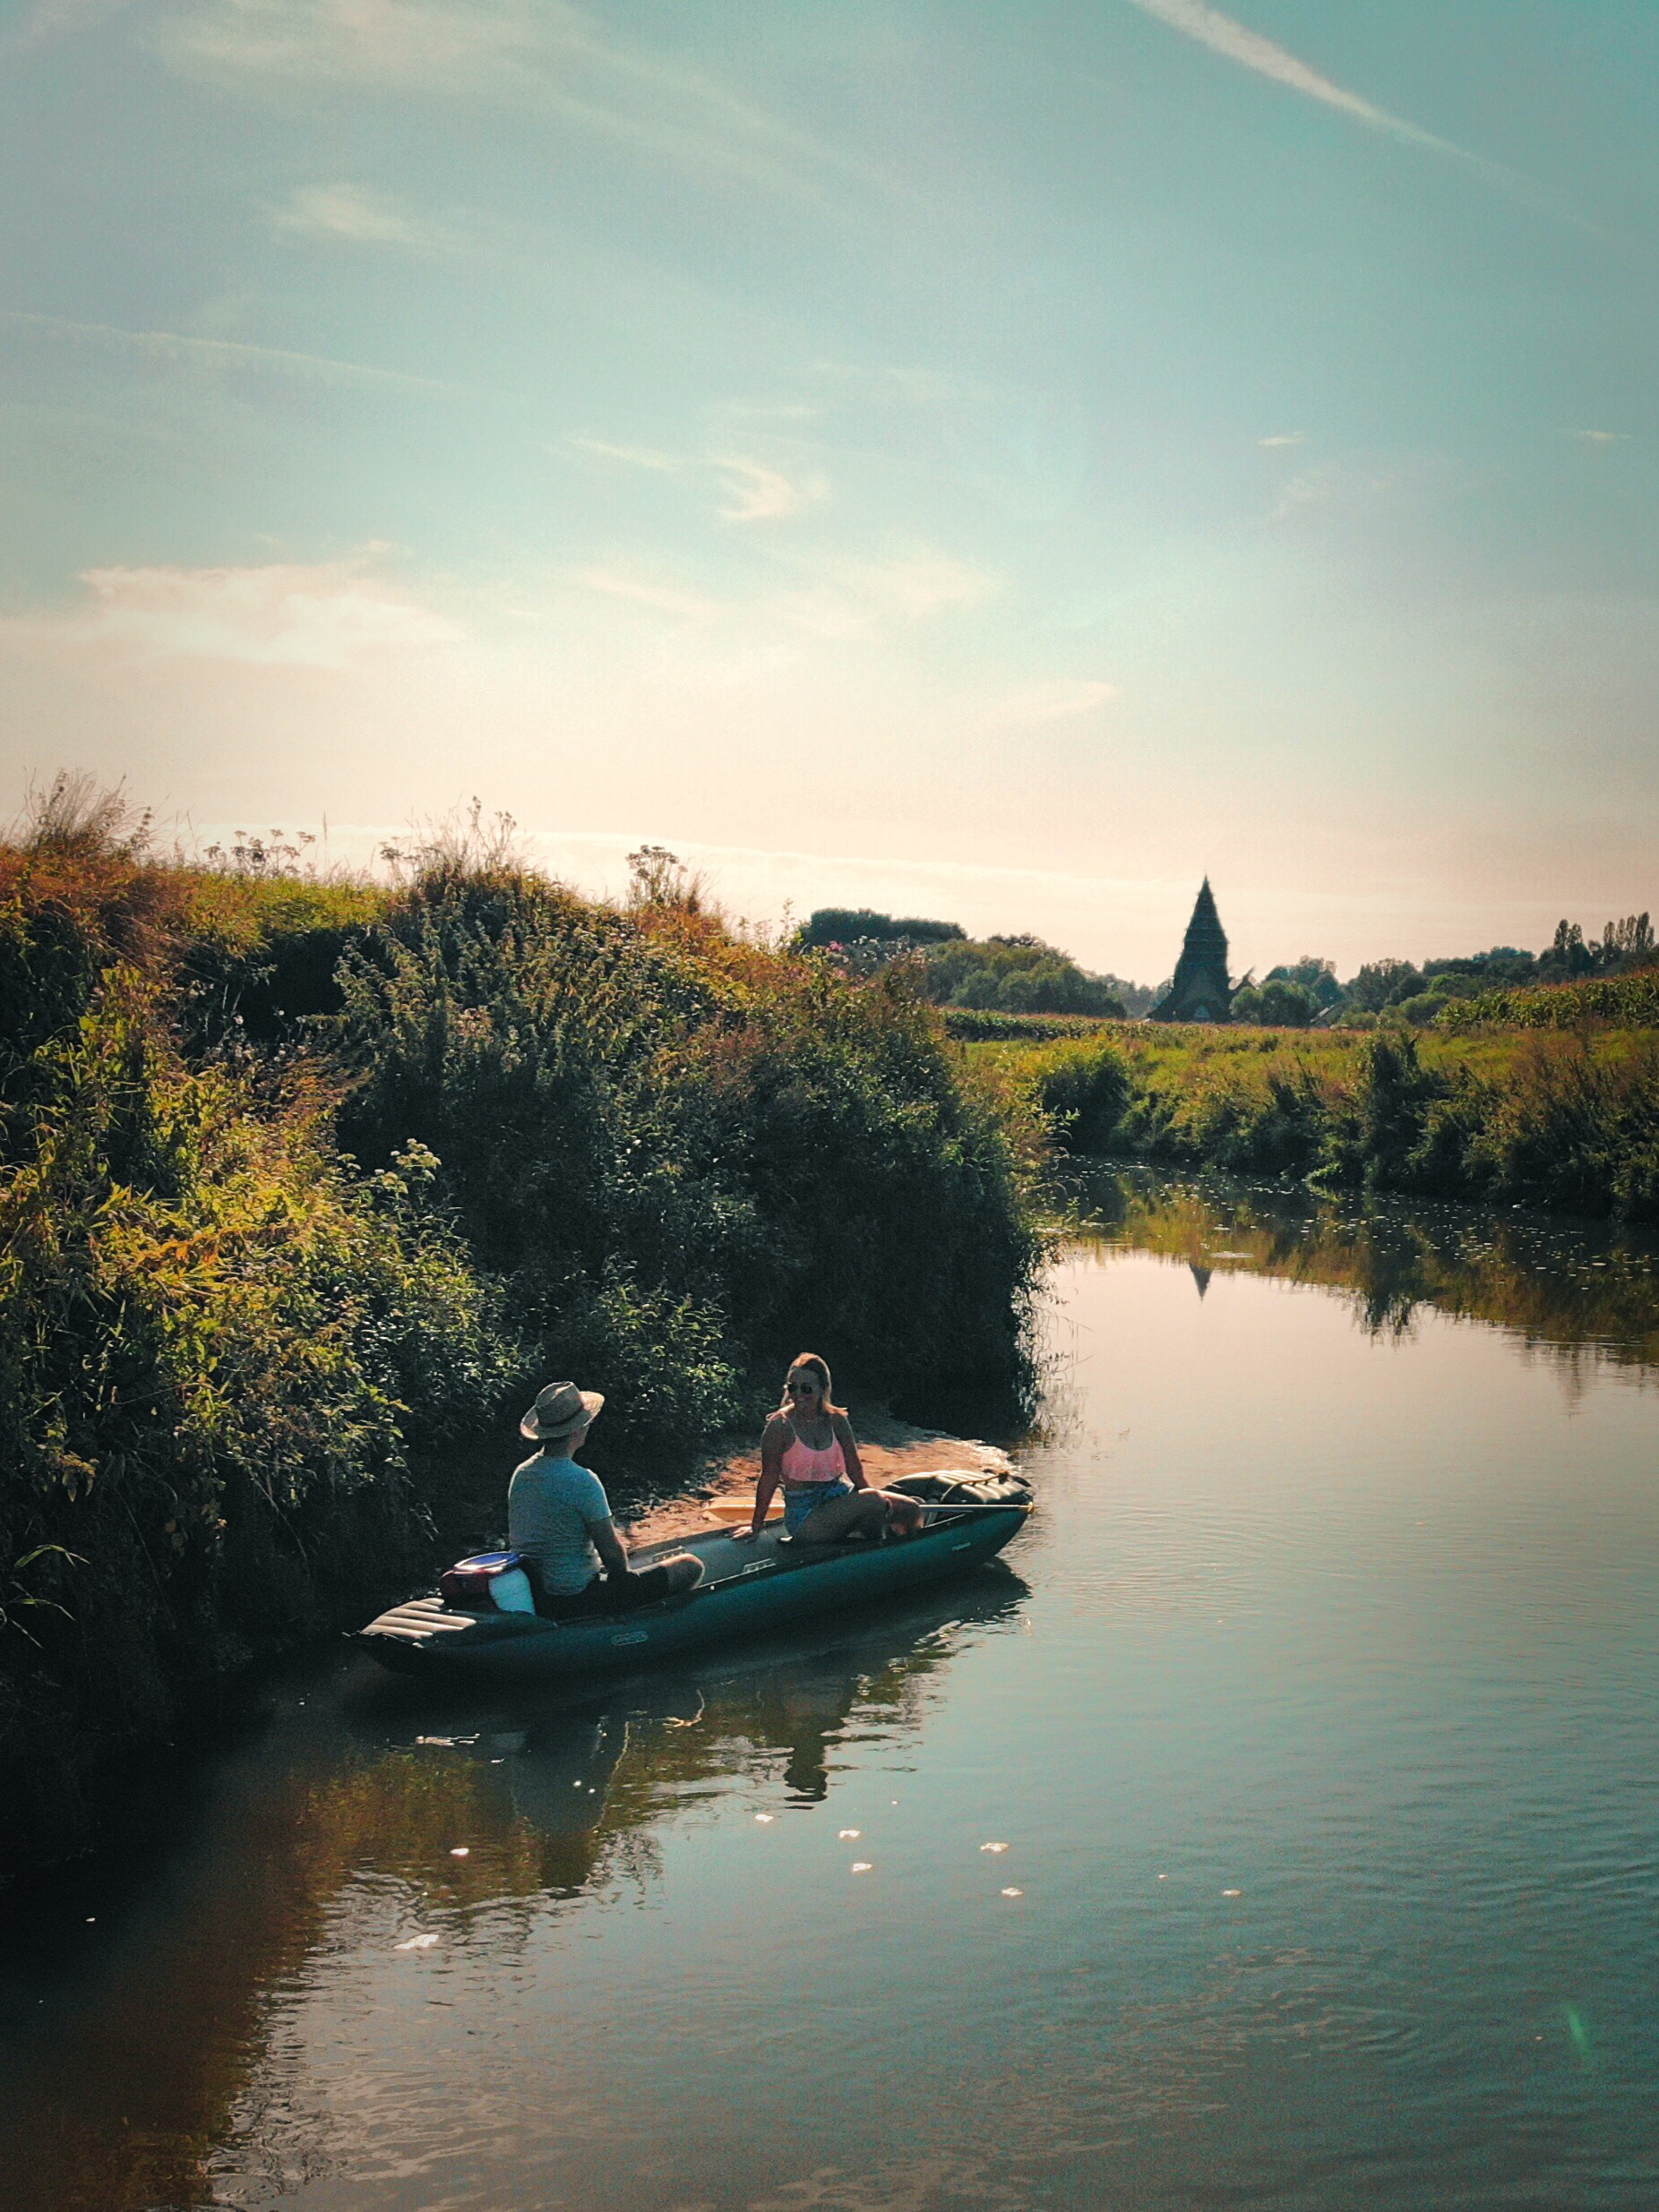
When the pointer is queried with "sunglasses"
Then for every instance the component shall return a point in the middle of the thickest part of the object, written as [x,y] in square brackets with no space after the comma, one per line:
[804,1390]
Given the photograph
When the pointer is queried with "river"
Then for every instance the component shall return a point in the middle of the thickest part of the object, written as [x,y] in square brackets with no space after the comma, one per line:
[1276,1826]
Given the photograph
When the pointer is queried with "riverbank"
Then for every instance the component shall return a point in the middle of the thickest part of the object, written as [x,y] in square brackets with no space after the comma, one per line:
[303,1186]
[1566,1120]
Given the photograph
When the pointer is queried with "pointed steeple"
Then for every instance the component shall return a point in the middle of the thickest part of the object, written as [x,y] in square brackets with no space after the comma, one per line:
[1200,991]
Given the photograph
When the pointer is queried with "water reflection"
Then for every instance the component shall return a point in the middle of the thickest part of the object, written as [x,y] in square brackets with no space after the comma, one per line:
[1585,1293]
[130,2027]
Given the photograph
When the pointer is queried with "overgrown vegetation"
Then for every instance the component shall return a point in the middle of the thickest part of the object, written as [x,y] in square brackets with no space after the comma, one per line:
[1008,975]
[301,1180]
[1564,1121]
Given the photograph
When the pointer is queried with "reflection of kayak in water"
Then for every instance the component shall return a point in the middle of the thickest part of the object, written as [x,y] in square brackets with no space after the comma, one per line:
[746,1588]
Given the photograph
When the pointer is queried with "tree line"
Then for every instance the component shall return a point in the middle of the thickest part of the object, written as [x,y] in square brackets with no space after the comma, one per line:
[1022,974]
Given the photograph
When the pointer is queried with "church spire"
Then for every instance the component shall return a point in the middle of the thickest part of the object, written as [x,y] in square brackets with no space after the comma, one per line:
[1200,991]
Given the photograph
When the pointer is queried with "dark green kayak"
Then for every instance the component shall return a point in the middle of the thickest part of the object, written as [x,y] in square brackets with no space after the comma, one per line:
[746,1588]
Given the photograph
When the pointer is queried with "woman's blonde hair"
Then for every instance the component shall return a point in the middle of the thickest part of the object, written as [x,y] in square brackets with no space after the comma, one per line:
[820,1368]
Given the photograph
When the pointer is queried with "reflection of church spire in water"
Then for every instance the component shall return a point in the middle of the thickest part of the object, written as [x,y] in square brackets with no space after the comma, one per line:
[1200,1276]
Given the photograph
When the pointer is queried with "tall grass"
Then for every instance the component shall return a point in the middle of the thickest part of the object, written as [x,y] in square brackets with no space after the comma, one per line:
[1567,1121]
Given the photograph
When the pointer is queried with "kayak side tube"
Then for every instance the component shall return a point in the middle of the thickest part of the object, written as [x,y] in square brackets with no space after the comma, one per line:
[747,1589]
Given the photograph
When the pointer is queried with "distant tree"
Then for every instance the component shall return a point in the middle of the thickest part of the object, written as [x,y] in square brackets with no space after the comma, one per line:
[1014,975]
[1503,964]
[852,925]
[1626,944]
[1316,977]
[1381,983]
[1566,955]
[1282,1004]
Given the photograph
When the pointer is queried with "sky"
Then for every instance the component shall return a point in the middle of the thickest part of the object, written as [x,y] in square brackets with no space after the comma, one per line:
[997,461]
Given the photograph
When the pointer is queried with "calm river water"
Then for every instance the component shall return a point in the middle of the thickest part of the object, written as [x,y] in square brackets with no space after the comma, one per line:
[1315,1719]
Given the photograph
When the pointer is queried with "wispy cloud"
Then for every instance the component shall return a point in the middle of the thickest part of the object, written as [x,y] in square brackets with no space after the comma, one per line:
[756,493]
[1284,438]
[216,353]
[1250,50]
[1601,437]
[542,53]
[835,599]
[314,615]
[752,491]
[614,583]
[1365,487]
[356,216]
[1048,699]
[917,585]
[59,19]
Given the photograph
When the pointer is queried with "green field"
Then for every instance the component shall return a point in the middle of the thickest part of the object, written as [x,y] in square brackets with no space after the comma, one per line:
[1562,1115]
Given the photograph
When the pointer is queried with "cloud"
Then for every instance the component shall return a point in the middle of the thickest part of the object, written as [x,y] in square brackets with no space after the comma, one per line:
[1284,438]
[357,218]
[540,54]
[216,353]
[1049,699]
[641,591]
[318,614]
[1366,487]
[753,490]
[761,495]
[1600,437]
[1250,50]
[1332,483]
[834,599]
[60,18]
[917,585]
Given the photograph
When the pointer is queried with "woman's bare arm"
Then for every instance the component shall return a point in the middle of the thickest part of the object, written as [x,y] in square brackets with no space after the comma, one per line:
[770,1475]
[849,1451]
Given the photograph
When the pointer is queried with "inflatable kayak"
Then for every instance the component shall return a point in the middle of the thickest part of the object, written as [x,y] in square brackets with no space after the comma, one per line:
[747,1587]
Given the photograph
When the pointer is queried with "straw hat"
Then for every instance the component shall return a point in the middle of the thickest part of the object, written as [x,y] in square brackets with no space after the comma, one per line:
[560,1410]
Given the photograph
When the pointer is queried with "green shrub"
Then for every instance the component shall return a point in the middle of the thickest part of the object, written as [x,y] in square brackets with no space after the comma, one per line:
[756,1146]
[1083,1091]
[261,1255]
[218,1353]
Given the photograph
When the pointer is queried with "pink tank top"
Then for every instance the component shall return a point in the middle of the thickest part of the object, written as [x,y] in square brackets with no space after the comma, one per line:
[802,1464]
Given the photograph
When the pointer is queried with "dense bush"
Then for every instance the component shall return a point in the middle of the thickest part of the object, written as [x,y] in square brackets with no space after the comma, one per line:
[1015,976]
[1083,1091]
[297,1181]
[217,1349]
[684,1153]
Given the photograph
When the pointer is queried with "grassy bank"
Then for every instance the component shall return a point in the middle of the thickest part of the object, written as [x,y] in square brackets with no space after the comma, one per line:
[1566,1118]
[301,1182]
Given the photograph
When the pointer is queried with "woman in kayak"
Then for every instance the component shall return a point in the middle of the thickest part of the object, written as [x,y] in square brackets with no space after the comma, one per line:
[808,1447]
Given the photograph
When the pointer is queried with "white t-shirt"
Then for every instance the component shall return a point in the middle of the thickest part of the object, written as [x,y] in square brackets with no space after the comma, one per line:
[551,1506]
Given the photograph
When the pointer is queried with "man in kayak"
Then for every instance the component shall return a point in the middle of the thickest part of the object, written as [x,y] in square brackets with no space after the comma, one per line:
[560,1518]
